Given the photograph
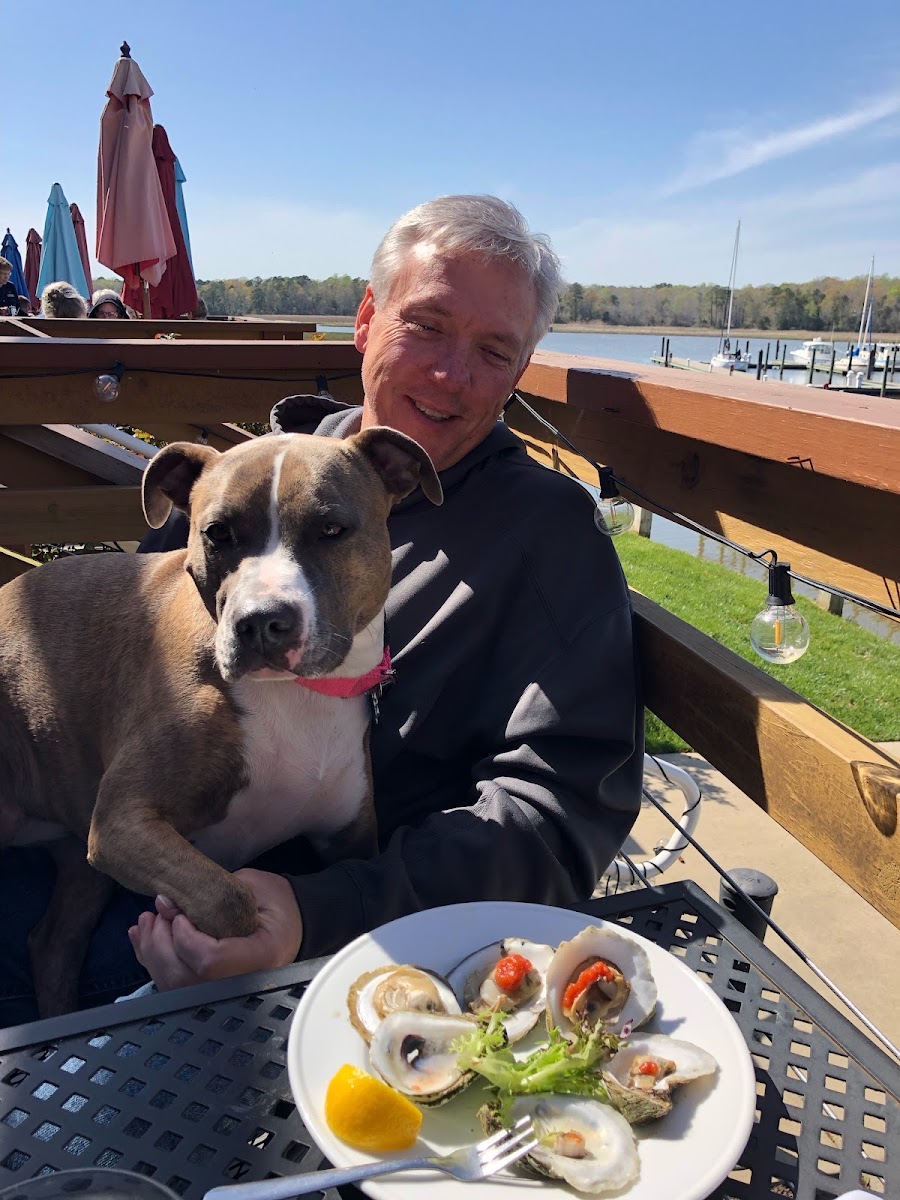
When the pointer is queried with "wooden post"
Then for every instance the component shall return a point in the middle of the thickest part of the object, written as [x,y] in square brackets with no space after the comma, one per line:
[759,360]
[831,367]
[783,353]
[777,348]
[884,376]
[662,348]
[894,363]
[830,603]
[870,366]
[646,522]
[812,365]
[768,345]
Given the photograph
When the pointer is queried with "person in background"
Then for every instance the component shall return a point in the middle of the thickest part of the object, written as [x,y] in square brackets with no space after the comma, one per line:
[108,308]
[10,300]
[61,300]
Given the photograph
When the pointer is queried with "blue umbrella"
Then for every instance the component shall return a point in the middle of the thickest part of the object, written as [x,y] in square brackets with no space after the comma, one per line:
[60,257]
[10,251]
[180,178]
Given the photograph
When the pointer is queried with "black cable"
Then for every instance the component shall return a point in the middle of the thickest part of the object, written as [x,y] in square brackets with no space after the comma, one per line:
[873,605]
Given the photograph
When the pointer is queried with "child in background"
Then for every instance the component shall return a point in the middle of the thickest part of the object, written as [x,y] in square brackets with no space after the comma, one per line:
[9,297]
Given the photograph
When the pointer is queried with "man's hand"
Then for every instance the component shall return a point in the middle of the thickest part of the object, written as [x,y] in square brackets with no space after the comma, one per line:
[177,954]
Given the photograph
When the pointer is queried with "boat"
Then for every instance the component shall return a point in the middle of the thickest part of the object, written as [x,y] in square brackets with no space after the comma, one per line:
[817,348]
[727,359]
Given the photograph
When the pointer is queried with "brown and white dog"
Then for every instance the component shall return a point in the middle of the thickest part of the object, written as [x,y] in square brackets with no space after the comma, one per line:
[151,705]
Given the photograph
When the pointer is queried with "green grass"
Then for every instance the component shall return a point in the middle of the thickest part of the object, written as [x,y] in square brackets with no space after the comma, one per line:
[849,672]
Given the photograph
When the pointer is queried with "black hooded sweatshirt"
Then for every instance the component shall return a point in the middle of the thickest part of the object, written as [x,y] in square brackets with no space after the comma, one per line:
[507,760]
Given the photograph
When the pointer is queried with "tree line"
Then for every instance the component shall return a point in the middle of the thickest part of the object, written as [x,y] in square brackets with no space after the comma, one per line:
[821,304]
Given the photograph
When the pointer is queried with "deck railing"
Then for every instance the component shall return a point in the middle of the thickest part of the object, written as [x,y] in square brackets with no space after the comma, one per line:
[813,474]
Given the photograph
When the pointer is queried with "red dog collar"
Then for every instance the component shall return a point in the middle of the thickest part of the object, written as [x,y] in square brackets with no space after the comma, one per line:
[352,685]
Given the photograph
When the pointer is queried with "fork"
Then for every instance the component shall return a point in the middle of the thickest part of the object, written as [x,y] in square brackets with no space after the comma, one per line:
[477,1162]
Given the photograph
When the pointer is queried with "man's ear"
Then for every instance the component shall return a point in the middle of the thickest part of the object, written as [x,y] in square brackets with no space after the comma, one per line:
[170,477]
[402,463]
[364,315]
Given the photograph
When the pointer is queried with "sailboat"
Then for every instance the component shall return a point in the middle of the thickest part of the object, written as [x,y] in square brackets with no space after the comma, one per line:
[727,359]
[866,349]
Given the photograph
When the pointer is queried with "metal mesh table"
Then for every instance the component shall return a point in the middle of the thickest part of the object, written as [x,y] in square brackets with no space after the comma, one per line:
[191,1087]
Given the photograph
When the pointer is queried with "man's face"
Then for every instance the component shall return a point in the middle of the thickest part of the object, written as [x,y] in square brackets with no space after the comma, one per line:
[443,353]
[107,312]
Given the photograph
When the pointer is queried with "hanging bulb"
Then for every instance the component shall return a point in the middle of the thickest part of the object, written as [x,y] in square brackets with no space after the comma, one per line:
[779,634]
[613,514]
[106,387]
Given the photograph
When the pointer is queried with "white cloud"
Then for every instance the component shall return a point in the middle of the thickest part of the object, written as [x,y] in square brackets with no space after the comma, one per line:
[722,154]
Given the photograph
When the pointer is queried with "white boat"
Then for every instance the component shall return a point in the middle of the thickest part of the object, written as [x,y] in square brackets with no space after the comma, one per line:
[727,359]
[814,346]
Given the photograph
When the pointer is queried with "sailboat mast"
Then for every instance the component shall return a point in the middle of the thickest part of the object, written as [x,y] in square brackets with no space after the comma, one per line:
[726,336]
[863,314]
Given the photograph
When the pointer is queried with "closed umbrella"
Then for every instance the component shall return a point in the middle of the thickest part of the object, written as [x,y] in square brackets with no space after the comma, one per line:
[33,267]
[180,179]
[81,241]
[59,253]
[176,292]
[10,251]
[134,234]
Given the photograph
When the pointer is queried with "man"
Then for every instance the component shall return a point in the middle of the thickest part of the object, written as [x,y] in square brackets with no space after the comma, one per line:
[507,761]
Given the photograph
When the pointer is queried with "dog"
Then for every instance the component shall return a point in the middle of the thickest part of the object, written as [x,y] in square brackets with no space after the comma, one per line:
[178,714]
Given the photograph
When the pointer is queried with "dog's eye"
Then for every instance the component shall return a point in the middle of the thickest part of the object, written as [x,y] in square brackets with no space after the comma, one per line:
[332,530]
[218,532]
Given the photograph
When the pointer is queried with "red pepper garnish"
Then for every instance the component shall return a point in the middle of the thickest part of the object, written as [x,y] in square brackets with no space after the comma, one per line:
[648,1068]
[510,971]
[599,970]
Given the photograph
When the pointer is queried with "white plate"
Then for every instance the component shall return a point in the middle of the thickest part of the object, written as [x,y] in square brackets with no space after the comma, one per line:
[682,1158]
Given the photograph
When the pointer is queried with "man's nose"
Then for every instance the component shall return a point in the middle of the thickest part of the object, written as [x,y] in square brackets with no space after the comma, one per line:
[269,629]
[451,368]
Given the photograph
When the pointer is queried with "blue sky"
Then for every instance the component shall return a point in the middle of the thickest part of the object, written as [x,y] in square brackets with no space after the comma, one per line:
[634,135]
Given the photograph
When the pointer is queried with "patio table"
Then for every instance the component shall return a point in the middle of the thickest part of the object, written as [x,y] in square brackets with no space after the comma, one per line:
[191,1086]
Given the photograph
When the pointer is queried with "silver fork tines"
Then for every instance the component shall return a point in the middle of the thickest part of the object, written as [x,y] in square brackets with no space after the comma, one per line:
[485,1158]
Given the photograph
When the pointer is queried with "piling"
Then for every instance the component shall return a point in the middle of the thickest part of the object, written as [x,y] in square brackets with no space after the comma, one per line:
[870,366]
[884,376]
[777,348]
[759,365]
[781,369]
[812,366]
[831,367]
[894,363]
[768,344]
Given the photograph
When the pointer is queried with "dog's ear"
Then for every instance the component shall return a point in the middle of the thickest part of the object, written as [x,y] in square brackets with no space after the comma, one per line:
[402,463]
[170,477]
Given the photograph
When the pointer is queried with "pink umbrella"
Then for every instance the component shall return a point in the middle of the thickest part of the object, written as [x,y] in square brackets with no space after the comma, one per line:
[176,292]
[81,239]
[134,235]
[33,267]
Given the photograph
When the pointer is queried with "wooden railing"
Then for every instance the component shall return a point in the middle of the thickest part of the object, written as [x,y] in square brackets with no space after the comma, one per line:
[813,474]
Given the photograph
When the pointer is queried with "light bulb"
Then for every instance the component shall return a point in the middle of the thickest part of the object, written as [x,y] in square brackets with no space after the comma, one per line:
[106,387]
[613,515]
[779,633]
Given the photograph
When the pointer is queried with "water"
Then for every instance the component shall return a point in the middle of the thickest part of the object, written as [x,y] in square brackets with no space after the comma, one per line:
[639,348]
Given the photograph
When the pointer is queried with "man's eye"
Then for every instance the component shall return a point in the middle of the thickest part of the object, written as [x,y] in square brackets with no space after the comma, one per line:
[498,355]
[421,327]
[218,532]
[332,530]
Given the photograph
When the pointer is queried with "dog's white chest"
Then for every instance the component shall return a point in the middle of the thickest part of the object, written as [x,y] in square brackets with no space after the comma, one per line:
[305,759]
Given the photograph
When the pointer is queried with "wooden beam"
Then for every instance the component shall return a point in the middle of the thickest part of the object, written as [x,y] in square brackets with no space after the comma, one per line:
[856,438]
[828,528]
[104,460]
[22,466]
[828,786]
[13,564]
[235,330]
[78,514]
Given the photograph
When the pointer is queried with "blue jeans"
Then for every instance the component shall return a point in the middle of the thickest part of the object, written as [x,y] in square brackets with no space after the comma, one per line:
[27,875]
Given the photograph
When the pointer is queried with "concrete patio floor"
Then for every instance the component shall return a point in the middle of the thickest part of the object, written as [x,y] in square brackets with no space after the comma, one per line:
[846,938]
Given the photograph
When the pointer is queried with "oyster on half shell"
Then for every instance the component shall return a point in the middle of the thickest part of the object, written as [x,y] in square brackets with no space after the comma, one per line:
[642,1076]
[393,988]
[585,1143]
[413,1053]
[475,982]
[600,976]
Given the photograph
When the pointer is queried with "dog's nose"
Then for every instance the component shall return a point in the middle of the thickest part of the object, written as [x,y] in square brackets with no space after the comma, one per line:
[270,629]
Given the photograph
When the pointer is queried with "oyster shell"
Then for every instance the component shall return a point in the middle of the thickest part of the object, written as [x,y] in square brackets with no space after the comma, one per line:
[646,1094]
[477,990]
[412,1052]
[627,996]
[397,989]
[583,1142]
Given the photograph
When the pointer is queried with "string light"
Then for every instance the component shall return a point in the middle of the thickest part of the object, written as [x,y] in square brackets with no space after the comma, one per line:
[106,387]
[613,514]
[779,633]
